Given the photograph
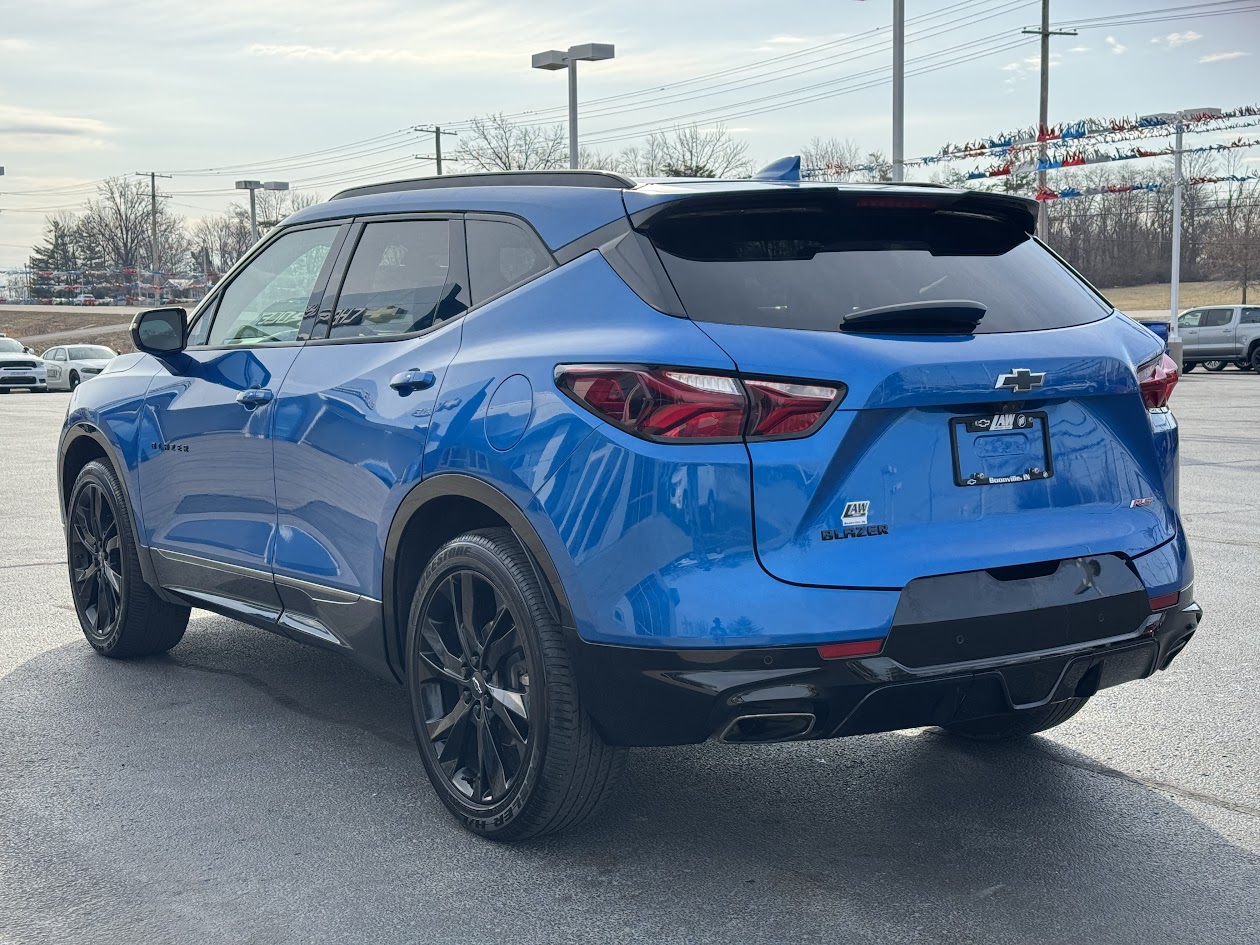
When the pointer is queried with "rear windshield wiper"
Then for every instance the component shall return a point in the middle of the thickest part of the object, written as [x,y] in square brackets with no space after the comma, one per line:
[941,317]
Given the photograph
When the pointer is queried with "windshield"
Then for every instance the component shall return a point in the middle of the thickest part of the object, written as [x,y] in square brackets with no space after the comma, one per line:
[808,265]
[11,346]
[91,353]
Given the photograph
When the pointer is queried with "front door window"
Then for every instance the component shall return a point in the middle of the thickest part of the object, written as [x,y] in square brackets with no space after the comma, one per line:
[267,300]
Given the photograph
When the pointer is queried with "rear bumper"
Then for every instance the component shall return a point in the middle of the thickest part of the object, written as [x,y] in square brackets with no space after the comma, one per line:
[641,696]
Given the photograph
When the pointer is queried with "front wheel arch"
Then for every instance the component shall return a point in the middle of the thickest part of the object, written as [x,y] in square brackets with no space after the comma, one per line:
[436,510]
[81,445]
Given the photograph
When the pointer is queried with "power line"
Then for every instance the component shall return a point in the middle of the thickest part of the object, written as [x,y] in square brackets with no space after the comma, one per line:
[778,102]
[251,165]
[592,110]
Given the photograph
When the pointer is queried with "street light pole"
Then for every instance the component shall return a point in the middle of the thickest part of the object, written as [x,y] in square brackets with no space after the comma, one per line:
[1174,334]
[554,59]
[252,186]
[573,132]
[1179,119]
[899,91]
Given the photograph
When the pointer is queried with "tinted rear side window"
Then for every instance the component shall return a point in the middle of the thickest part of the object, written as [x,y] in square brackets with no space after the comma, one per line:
[500,256]
[808,264]
[1251,316]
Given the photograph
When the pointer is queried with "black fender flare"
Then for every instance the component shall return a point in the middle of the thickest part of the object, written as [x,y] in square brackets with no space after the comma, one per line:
[82,430]
[441,486]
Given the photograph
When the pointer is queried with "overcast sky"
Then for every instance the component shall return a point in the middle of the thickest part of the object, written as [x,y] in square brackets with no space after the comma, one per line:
[93,88]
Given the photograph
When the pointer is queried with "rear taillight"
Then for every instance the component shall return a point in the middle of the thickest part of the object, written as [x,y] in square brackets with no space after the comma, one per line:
[1156,380]
[680,405]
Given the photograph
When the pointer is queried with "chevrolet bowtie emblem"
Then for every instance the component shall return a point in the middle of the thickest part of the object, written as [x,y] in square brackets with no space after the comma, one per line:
[1020,380]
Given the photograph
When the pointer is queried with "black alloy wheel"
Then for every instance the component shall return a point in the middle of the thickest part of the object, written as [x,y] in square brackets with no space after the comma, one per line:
[473,688]
[96,563]
[495,701]
[120,614]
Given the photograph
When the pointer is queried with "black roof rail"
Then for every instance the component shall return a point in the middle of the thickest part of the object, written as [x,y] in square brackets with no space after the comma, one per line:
[558,178]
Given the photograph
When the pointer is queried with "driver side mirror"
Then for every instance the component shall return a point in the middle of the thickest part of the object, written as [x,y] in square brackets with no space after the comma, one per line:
[160,331]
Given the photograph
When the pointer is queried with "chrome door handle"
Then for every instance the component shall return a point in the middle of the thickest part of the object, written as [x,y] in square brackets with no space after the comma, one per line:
[254,397]
[411,380]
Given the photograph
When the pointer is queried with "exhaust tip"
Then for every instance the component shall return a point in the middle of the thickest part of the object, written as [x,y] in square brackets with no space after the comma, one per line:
[1175,650]
[769,727]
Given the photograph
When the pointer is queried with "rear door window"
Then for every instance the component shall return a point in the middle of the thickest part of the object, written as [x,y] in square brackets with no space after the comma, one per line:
[398,282]
[809,262]
[1250,316]
[1216,318]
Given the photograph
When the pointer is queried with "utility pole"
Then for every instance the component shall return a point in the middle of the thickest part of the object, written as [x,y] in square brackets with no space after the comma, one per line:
[437,132]
[153,231]
[1043,124]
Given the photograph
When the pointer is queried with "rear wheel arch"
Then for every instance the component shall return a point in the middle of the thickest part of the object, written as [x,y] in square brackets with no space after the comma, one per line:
[1252,347]
[435,511]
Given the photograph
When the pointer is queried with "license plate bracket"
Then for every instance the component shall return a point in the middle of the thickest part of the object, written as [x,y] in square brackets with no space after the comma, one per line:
[999,448]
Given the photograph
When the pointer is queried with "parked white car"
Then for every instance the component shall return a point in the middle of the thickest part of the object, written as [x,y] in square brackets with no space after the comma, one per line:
[20,369]
[70,365]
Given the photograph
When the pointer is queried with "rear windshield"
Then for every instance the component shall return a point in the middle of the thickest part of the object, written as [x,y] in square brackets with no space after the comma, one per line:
[809,264]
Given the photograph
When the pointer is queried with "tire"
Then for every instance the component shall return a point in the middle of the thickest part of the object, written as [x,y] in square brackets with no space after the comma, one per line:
[500,680]
[1254,359]
[74,379]
[1017,725]
[1188,366]
[119,613]
[1215,366]
[1242,365]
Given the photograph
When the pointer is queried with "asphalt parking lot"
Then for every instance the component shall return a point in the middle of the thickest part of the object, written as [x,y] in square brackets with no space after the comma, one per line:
[247,789]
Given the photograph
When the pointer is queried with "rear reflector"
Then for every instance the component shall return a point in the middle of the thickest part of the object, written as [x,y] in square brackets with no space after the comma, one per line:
[1156,380]
[680,405]
[1164,601]
[840,651]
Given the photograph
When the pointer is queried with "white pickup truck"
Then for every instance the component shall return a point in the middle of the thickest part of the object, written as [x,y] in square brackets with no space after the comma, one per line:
[1217,336]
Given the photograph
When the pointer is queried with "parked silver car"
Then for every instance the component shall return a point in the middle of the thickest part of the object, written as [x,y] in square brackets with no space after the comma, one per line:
[20,369]
[1217,336]
[69,365]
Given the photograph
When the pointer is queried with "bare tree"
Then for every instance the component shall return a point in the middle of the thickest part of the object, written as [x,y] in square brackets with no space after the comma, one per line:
[274,205]
[826,158]
[116,223]
[692,151]
[1238,228]
[496,143]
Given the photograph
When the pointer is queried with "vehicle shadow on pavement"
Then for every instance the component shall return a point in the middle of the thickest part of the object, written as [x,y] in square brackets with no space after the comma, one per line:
[245,788]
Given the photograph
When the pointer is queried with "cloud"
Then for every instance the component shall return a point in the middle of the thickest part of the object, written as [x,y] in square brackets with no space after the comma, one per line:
[332,54]
[10,45]
[787,40]
[1116,47]
[1079,49]
[1173,40]
[1023,68]
[1223,56]
[24,129]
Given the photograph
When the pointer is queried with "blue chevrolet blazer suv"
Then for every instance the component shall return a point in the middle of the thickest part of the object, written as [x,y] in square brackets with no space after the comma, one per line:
[586,462]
